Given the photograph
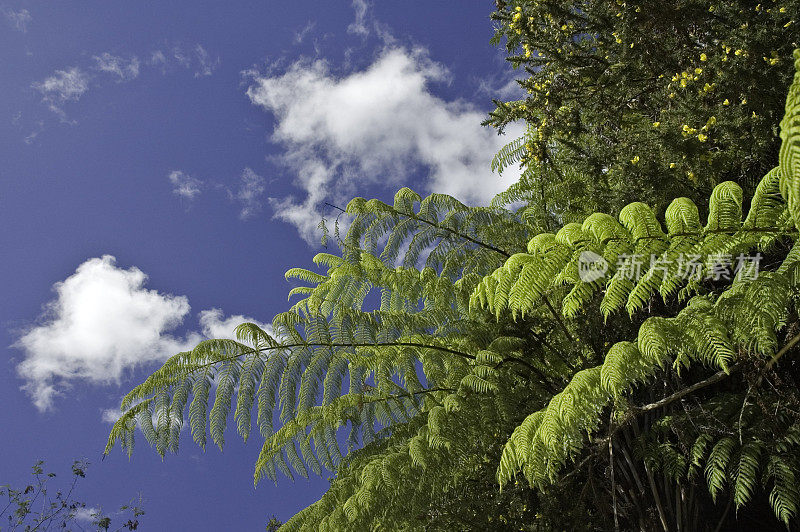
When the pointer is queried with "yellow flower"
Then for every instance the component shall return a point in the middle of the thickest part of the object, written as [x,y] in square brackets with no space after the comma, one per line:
[774,61]
[683,83]
[702,137]
[708,87]
[703,57]
[744,101]
[782,10]
[635,160]
[656,124]
[788,24]
[712,121]
[672,165]
[726,102]
[690,175]
[698,70]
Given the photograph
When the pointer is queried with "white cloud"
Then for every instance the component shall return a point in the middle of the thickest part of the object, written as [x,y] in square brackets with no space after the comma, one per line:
[378,125]
[63,86]
[86,515]
[501,88]
[71,83]
[250,194]
[110,415]
[299,36]
[197,58]
[158,58]
[206,64]
[124,70]
[102,323]
[214,324]
[19,19]
[184,185]
[31,137]
[359,26]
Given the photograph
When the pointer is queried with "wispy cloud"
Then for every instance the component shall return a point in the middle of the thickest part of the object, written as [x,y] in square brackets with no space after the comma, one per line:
[70,84]
[19,19]
[31,137]
[124,70]
[380,126]
[206,64]
[197,59]
[359,25]
[102,323]
[299,36]
[184,185]
[250,194]
[62,87]
[158,59]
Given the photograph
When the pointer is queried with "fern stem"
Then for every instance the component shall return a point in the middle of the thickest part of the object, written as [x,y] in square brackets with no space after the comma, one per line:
[314,344]
[553,350]
[542,378]
[782,352]
[560,322]
[720,375]
[437,226]
[724,516]
[662,517]
[613,477]
[369,399]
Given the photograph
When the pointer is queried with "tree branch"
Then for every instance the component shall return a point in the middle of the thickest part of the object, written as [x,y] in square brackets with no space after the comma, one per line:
[720,375]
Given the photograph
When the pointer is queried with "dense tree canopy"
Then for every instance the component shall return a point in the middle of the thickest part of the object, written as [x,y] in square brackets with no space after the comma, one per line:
[645,101]
[550,366]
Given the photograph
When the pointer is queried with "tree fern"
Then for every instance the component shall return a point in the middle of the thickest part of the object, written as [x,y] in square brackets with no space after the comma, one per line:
[447,342]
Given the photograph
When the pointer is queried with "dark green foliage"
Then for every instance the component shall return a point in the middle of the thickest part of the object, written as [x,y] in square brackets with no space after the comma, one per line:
[645,101]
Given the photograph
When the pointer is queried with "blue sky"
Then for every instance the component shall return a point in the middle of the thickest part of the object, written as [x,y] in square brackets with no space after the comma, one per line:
[163,164]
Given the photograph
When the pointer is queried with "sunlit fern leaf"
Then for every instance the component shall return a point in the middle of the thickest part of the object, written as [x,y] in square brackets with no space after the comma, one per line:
[198,408]
[162,417]
[784,495]
[509,154]
[227,378]
[746,473]
[717,466]
[789,156]
[177,406]
[250,377]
